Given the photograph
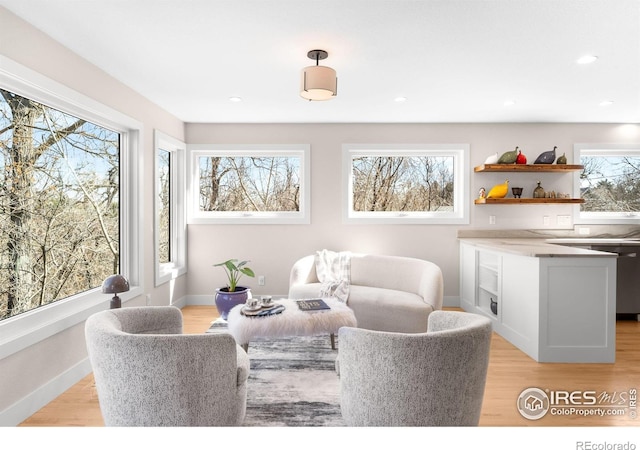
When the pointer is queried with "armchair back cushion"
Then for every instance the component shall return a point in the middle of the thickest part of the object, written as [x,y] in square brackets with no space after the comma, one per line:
[435,378]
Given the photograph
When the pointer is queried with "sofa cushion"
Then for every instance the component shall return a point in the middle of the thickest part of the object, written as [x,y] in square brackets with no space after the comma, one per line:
[308,290]
[388,310]
[378,308]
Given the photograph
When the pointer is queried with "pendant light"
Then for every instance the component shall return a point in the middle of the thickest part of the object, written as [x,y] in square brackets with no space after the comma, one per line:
[318,82]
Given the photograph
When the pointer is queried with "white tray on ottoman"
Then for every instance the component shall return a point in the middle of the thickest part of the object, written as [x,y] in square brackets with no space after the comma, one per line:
[291,322]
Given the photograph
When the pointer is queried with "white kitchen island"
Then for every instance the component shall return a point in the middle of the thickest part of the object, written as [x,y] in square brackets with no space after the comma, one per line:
[555,303]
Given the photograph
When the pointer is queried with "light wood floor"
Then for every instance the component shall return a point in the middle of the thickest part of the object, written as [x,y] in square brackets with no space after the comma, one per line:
[510,372]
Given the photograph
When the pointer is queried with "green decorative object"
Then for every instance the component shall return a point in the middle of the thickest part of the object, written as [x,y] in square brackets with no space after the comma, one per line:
[562,159]
[234,271]
[509,157]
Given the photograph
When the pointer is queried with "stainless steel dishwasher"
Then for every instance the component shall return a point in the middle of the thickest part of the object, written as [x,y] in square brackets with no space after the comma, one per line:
[627,278]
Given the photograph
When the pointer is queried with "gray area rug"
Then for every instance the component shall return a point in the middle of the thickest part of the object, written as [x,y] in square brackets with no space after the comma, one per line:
[292,382]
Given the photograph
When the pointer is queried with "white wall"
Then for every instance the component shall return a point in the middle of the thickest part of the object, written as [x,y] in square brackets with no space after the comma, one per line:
[34,376]
[273,249]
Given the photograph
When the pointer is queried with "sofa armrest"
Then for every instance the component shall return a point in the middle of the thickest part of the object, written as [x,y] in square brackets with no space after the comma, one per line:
[432,285]
[303,271]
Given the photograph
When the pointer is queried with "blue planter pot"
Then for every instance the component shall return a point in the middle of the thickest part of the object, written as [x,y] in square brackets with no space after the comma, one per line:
[226,300]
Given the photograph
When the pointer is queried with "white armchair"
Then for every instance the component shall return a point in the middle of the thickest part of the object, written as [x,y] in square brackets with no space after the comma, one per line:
[148,373]
[435,378]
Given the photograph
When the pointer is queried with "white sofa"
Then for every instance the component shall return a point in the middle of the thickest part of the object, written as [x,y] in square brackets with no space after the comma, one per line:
[386,293]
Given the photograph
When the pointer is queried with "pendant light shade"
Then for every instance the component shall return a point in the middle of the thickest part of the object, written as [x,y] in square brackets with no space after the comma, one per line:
[318,82]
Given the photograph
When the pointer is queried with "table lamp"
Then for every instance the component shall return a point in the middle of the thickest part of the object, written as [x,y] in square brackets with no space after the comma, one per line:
[114,285]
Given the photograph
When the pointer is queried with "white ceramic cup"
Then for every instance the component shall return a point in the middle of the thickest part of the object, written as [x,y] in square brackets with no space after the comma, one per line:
[253,303]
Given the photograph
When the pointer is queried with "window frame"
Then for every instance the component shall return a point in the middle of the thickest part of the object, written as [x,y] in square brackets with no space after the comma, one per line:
[23,330]
[195,216]
[460,214]
[177,264]
[592,217]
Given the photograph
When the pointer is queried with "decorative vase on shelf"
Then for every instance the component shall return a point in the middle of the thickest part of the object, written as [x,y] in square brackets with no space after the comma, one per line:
[225,300]
[538,192]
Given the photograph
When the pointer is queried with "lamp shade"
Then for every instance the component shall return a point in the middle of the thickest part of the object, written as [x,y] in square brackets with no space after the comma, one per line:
[115,284]
[318,83]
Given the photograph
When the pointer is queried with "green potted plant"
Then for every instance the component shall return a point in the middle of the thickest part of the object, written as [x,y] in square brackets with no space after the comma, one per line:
[231,295]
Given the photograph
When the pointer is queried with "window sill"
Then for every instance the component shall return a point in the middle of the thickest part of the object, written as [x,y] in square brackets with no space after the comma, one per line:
[31,327]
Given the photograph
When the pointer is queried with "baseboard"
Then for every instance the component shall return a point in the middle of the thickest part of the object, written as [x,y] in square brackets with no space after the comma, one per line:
[451,301]
[24,408]
[197,300]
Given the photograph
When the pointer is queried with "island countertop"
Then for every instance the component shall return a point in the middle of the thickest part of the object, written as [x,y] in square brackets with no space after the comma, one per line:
[534,247]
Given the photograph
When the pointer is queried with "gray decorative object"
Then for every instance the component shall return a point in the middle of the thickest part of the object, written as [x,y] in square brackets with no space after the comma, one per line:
[546,157]
[435,378]
[538,192]
[115,284]
[148,373]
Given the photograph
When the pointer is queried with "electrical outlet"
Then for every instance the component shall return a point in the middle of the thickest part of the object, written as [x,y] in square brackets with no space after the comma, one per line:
[584,231]
[148,299]
[545,221]
[261,280]
[492,220]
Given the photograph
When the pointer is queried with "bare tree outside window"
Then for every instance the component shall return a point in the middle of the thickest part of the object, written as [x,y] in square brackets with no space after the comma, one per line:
[403,183]
[164,206]
[249,183]
[610,183]
[406,183]
[59,204]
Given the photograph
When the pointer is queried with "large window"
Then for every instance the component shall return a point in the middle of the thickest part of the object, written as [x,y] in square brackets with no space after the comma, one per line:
[406,183]
[69,205]
[170,230]
[249,184]
[609,183]
[59,204]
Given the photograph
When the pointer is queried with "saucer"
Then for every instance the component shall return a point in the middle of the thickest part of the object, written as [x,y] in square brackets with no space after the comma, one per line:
[252,308]
[269,305]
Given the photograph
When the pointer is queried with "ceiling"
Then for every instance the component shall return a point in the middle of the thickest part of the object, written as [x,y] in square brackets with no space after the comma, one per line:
[453,60]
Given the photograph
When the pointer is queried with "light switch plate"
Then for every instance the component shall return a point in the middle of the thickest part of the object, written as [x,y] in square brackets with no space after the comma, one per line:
[563,221]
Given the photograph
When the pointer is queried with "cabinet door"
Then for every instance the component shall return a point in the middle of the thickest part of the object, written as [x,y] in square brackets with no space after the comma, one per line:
[520,304]
[467,277]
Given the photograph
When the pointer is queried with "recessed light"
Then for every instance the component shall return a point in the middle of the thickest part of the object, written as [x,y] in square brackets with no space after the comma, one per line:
[235,99]
[587,59]
[606,103]
[509,102]
[400,99]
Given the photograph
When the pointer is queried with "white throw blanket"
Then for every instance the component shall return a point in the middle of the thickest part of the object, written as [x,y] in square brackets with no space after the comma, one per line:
[334,273]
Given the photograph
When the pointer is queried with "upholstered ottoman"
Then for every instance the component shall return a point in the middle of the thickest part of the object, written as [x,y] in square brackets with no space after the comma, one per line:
[291,322]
